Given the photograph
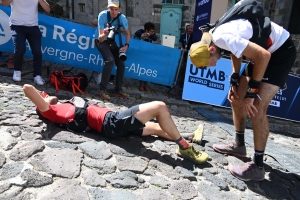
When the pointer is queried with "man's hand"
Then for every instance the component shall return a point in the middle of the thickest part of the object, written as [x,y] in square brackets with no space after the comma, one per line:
[234,82]
[145,35]
[233,94]
[249,107]
[124,48]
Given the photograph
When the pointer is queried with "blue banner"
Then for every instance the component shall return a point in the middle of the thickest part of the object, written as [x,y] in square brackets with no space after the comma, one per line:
[202,16]
[72,44]
[211,86]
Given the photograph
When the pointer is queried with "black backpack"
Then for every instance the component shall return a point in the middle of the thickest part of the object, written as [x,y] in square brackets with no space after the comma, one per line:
[251,10]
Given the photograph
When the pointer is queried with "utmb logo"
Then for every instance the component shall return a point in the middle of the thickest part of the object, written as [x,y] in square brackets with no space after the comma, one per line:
[208,73]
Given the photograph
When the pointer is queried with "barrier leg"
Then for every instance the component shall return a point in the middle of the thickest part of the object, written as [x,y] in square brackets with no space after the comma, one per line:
[177,73]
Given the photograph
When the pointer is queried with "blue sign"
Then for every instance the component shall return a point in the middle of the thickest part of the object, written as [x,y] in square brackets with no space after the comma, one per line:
[211,86]
[202,16]
[72,44]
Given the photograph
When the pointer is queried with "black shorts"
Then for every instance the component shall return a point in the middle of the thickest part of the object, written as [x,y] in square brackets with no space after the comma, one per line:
[120,124]
[280,64]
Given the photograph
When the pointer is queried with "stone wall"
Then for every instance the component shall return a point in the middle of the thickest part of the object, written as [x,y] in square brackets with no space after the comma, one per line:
[138,12]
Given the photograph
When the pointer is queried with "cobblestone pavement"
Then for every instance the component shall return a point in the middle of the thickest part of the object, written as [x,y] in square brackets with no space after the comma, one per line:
[41,161]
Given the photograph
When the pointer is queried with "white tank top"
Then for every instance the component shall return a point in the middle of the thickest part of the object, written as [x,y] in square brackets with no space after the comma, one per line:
[24,13]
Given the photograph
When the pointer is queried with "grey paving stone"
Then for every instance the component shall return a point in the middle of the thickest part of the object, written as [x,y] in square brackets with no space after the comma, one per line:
[30,136]
[4,187]
[149,172]
[63,163]
[31,129]
[12,193]
[124,148]
[149,154]
[172,158]
[161,146]
[273,176]
[183,189]
[274,190]
[134,164]
[232,181]
[153,193]
[2,159]
[164,169]
[34,179]
[101,166]
[11,170]
[59,134]
[7,141]
[61,145]
[160,181]
[215,180]
[24,150]
[212,192]
[67,189]
[295,193]
[98,194]
[92,178]
[15,131]
[97,150]
[184,173]
[125,179]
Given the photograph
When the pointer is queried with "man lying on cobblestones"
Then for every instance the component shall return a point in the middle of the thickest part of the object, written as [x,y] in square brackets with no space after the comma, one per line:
[133,121]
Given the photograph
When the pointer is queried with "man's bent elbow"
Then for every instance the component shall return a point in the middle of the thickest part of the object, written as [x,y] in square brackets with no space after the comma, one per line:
[27,87]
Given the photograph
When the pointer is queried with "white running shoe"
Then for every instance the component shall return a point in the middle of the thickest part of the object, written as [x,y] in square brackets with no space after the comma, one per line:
[17,76]
[38,80]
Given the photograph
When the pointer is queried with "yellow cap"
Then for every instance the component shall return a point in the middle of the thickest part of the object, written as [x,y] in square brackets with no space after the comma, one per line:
[199,51]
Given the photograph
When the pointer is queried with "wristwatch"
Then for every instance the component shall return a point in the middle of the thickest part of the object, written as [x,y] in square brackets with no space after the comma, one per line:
[125,44]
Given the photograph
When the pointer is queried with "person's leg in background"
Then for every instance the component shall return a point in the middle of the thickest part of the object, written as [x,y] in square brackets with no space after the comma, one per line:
[119,75]
[146,86]
[19,40]
[141,86]
[34,37]
[111,79]
[109,62]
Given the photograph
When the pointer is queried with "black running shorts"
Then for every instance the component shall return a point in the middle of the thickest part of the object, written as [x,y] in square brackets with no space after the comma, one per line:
[280,64]
[120,124]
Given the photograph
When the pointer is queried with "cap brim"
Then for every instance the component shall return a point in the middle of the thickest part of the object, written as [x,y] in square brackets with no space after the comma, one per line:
[113,5]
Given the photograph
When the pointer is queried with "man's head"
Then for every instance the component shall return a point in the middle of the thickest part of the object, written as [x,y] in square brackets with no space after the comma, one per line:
[114,7]
[205,53]
[189,29]
[149,27]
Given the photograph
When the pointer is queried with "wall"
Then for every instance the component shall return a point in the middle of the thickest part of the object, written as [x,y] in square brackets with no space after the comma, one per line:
[219,7]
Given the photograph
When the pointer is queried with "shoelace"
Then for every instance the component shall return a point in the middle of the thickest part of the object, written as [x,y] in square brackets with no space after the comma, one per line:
[196,151]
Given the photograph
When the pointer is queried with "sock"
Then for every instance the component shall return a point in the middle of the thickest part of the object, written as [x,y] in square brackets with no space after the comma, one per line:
[259,158]
[239,138]
[182,143]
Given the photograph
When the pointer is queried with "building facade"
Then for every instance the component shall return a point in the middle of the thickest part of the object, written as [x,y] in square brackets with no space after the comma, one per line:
[171,16]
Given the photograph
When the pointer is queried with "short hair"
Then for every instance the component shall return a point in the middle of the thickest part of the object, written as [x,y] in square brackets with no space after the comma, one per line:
[149,26]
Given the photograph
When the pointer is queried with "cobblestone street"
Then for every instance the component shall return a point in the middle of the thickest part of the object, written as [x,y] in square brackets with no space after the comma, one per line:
[41,161]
